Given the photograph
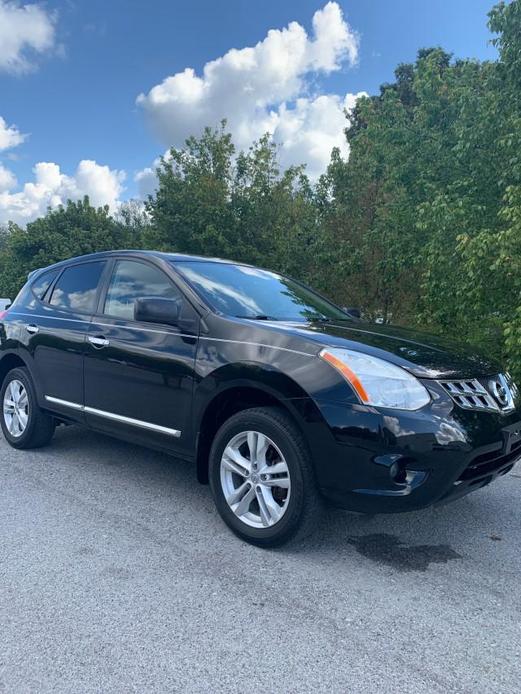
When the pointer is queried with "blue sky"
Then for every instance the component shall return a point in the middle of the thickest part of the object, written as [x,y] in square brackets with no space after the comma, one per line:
[70,77]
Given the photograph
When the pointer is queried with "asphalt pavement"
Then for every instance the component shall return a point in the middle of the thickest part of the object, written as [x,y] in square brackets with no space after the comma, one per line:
[117,575]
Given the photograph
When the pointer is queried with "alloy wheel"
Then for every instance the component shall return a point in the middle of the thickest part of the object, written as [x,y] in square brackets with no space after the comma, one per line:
[255,479]
[16,408]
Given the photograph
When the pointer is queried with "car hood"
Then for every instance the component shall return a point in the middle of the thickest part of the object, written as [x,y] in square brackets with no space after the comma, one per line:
[424,355]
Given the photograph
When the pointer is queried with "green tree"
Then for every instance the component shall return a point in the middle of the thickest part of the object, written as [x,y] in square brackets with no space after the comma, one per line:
[190,210]
[424,216]
[273,211]
[210,202]
[492,257]
[420,225]
[75,229]
[134,222]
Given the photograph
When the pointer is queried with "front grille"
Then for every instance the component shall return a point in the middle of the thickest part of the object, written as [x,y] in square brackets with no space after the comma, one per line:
[496,394]
[489,463]
[470,394]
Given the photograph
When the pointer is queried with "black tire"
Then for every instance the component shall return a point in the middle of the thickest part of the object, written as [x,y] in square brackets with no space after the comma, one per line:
[40,426]
[304,504]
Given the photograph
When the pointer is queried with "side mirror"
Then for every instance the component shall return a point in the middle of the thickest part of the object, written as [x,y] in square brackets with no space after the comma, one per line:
[156,310]
[353,312]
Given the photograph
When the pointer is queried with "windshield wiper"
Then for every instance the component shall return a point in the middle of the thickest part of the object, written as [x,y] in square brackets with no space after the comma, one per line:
[259,317]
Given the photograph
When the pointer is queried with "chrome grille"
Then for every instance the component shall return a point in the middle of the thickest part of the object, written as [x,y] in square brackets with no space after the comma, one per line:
[472,394]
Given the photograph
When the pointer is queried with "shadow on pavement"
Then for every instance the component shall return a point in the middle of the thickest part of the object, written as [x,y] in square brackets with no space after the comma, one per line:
[405,542]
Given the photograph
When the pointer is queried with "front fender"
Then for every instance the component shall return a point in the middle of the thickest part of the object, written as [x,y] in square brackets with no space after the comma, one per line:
[280,388]
[264,377]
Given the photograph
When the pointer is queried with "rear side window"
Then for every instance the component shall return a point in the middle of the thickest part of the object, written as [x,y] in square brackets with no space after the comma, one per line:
[42,284]
[133,280]
[77,287]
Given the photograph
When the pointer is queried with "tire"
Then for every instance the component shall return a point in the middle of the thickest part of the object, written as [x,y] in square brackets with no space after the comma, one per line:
[30,427]
[270,515]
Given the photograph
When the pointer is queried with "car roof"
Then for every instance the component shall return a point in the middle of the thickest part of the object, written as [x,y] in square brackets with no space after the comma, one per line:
[171,257]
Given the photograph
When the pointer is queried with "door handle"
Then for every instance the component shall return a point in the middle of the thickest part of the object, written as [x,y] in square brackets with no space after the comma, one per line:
[98,342]
[32,329]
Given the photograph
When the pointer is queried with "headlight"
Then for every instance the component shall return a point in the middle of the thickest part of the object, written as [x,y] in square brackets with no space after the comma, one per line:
[514,390]
[377,382]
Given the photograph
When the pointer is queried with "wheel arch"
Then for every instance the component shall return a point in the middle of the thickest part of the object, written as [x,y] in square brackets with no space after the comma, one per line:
[10,361]
[254,389]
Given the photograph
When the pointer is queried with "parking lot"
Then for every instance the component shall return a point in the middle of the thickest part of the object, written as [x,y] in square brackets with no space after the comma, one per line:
[116,575]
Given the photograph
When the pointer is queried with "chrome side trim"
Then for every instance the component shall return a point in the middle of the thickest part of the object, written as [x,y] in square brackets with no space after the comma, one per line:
[142,330]
[41,315]
[132,422]
[258,344]
[115,417]
[64,403]
[202,337]
[167,332]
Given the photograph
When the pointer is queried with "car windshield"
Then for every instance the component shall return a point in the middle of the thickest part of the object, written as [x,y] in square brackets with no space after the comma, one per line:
[248,292]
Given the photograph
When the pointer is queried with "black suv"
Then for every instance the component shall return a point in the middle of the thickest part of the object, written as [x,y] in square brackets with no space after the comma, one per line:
[281,398]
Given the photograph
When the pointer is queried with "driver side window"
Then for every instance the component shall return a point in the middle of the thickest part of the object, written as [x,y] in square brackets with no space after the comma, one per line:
[133,280]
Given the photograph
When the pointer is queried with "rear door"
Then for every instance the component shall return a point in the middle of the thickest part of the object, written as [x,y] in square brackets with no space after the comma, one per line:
[57,334]
[139,376]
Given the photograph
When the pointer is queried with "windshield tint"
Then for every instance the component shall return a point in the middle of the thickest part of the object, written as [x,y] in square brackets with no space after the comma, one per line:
[247,292]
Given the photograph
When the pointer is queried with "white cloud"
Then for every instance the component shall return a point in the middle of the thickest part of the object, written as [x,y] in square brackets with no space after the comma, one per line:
[146,180]
[24,31]
[51,188]
[7,179]
[10,136]
[265,88]
[310,130]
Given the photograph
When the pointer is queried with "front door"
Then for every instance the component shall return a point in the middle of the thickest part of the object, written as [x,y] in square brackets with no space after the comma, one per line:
[139,376]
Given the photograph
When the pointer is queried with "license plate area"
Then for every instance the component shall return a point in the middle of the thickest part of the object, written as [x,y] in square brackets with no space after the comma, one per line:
[512,439]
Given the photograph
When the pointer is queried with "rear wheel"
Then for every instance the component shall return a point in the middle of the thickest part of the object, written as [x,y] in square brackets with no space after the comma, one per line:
[23,423]
[262,478]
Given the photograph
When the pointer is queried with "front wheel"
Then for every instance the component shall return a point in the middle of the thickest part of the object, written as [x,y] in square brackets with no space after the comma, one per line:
[23,423]
[262,478]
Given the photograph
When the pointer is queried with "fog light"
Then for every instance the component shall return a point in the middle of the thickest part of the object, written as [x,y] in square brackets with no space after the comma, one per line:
[398,473]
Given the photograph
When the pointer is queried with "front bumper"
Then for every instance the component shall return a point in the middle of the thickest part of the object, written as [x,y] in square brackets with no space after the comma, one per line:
[441,453]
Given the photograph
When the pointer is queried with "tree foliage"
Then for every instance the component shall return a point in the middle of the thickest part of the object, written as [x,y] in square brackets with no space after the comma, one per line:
[75,229]
[213,203]
[421,225]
